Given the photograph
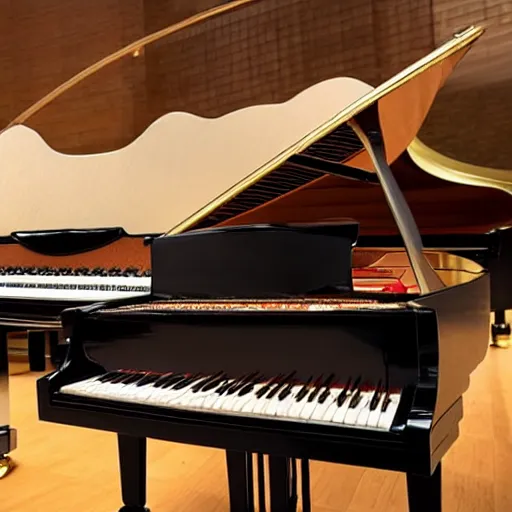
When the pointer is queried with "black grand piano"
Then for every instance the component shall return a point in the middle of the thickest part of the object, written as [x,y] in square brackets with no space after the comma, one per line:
[285,337]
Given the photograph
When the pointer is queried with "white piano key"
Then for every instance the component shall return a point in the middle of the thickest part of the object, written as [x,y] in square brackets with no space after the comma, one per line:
[249,406]
[174,395]
[90,288]
[261,403]
[373,417]
[282,410]
[332,406]
[83,385]
[221,398]
[213,398]
[308,408]
[197,398]
[273,403]
[353,412]
[364,409]
[339,415]
[153,389]
[184,398]
[296,408]
[247,401]
[321,409]
[228,403]
[386,417]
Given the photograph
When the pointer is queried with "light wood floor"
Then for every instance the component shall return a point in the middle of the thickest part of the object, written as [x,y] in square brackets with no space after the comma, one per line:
[62,469]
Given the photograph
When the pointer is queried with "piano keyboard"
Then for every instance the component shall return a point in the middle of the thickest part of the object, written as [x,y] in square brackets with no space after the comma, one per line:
[322,401]
[73,283]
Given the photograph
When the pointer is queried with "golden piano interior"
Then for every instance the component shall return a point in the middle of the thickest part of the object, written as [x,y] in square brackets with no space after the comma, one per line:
[265,52]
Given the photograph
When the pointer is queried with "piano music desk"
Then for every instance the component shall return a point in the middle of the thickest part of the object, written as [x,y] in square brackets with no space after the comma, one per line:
[67,468]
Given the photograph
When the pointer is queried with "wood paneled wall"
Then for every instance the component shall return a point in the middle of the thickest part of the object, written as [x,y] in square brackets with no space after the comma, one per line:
[264,52]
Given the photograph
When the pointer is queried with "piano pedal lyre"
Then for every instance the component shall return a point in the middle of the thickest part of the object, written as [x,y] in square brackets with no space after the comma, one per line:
[6,465]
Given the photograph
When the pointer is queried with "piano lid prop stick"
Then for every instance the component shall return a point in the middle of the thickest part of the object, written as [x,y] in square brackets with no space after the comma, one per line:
[428,280]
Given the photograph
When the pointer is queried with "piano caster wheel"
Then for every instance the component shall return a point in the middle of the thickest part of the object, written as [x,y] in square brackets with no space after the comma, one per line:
[6,466]
[501,335]
[126,508]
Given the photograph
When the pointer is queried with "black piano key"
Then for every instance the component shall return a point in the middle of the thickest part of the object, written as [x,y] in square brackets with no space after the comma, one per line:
[386,402]
[171,379]
[188,381]
[287,390]
[230,384]
[200,385]
[215,382]
[374,402]
[344,394]
[236,386]
[316,389]
[326,392]
[225,386]
[356,394]
[280,385]
[268,386]
[148,379]
[161,379]
[109,376]
[133,378]
[130,271]
[121,376]
[304,391]
[249,386]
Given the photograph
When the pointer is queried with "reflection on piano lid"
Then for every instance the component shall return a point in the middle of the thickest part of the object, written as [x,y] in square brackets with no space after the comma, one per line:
[382,374]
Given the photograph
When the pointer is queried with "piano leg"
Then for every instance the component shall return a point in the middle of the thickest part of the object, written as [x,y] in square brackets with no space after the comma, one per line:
[282,479]
[424,493]
[54,348]
[132,464]
[260,462]
[500,329]
[36,351]
[7,434]
[240,481]
[305,486]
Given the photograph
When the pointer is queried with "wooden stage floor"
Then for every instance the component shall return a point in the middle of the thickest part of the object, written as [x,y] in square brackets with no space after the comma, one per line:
[62,469]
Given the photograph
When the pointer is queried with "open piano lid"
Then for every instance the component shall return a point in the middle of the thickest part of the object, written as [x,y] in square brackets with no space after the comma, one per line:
[236,170]
[330,145]
[371,129]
